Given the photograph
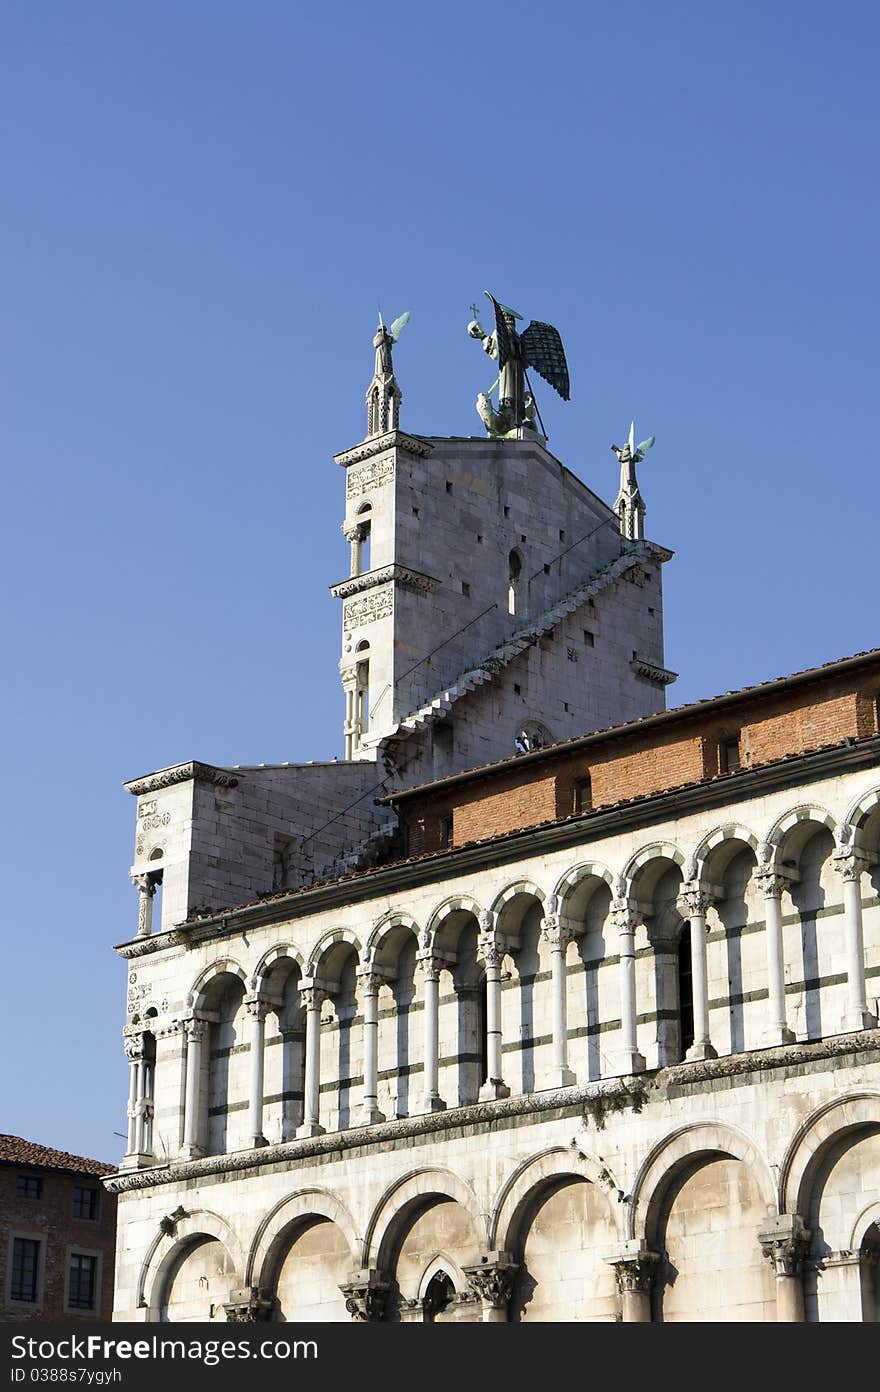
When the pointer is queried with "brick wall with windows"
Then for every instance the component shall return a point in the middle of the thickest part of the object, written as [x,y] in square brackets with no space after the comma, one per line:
[706,740]
[57,1235]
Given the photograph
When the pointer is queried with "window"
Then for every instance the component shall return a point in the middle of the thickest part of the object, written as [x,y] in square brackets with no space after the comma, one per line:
[25,1266]
[82,1282]
[589,638]
[85,1202]
[582,794]
[448,486]
[728,754]
[439,1294]
[546,570]
[514,572]
[28,1187]
[562,534]
[446,831]
[465,588]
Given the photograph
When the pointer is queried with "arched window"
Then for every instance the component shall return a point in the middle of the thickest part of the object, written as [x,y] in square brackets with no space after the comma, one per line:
[439,1294]
[514,573]
[531,735]
[365,527]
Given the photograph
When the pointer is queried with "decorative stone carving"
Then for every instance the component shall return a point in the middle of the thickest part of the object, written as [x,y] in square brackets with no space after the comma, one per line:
[248,1306]
[369,608]
[365,1294]
[849,864]
[492,1278]
[554,932]
[625,916]
[771,884]
[489,950]
[785,1242]
[182,773]
[634,1270]
[196,1030]
[410,444]
[371,475]
[692,902]
[399,574]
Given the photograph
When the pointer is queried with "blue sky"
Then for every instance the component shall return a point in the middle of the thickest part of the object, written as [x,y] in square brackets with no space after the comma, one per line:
[203,206]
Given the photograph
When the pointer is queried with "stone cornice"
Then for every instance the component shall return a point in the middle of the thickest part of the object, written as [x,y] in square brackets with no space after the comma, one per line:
[400,574]
[596,1099]
[394,439]
[652,672]
[142,947]
[182,773]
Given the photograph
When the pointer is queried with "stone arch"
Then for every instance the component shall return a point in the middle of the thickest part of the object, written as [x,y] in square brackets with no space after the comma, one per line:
[868,1218]
[861,809]
[278,953]
[278,1222]
[852,1112]
[675,1151]
[325,945]
[167,1247]
[406,1192]
[224,967]
[657,850]
[587,870]
[442,1262]
[799,820]
[538,1171]
[457,903]
[730,831]
[386,925]
[511,891]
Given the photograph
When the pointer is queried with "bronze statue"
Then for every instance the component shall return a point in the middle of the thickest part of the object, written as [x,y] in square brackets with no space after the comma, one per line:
[539,346]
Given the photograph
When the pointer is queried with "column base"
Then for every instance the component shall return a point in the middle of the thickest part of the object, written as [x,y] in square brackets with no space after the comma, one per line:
[858,1020]
[193,1152]
[137,1160]
[560,1078]
[368,1116]
[258,1141]
[777,1035]
[493,1089]
[432,1104]
[701,1050]
[309,1128]
[627,1061]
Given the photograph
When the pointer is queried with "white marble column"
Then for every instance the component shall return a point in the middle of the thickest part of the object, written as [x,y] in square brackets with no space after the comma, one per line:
[849,865]
[429,968]
[257,1010]
[312,997]
[491,954]
[195,1036]
[626,1058]
[133,1051]
[370,982]
[146,888]
[557,938]
[785,1242]
[772,887]
[692,904]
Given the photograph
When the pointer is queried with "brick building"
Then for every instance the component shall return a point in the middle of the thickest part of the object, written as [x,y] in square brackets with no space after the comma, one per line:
[57,1234]
[545,1003]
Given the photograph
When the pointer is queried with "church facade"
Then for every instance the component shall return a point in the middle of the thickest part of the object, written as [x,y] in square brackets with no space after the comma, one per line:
[545,1003]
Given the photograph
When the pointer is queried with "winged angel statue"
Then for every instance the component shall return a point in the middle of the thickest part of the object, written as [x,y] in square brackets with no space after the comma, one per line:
[539,346]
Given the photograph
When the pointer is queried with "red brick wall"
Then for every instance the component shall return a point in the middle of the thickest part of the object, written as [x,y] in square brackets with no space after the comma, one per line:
[51,1218]
[822,712]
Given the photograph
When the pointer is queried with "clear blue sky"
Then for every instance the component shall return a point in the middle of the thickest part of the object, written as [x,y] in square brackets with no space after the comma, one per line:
[202,206]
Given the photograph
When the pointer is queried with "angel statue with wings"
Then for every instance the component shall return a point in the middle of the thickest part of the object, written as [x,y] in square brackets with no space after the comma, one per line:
[539,346]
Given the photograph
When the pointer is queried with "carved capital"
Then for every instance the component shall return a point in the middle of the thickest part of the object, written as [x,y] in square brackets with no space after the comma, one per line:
[770,882]
[692,901]
[634,1268]
[849,864]
[365,1294]
[256,1007]
[785,1242]
[625,916]
[144,884]
[369,981]
[311,997]
[428,965]
[196,1030]
[554,932]
[252,1305]
[492,1277]
[489,950]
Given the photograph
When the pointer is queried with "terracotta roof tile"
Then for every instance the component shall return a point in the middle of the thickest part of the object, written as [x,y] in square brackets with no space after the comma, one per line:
[15,1150]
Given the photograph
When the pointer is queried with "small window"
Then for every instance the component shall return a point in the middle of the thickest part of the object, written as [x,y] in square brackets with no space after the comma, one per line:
[517,689]
[28,1187]
[589,638]
[546,570]
[448,486]
[566,705]
[25,1266]
[85,1202]
[562,534]
[728,754]
[415,512]
[582,794]
[522,538]
[446,831]
[82,1282]
[479,538]
[506,511]
[465,588]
